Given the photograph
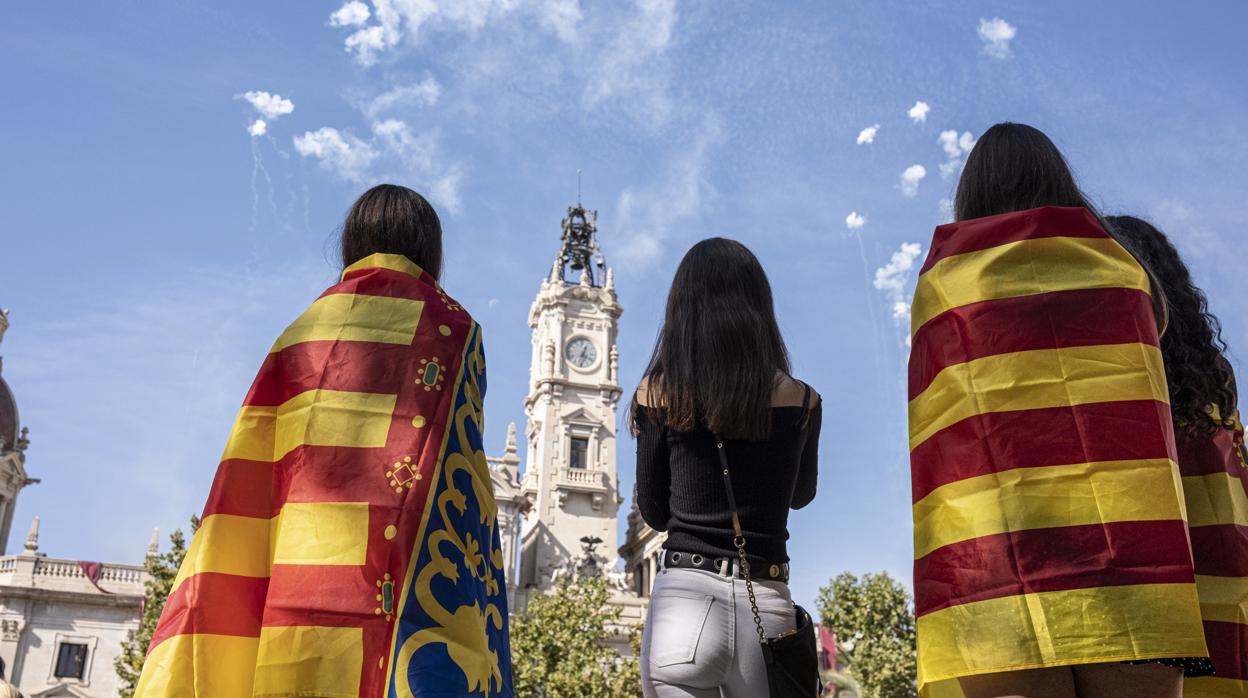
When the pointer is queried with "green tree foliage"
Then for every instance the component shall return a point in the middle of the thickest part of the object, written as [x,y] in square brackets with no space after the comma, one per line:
[163,569]
[559,646]
[874,624]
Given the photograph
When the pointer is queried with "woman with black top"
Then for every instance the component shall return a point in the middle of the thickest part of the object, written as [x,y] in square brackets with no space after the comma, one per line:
[720,369]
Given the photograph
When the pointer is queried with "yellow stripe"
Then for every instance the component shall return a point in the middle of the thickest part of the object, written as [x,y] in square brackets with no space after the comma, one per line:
[321,533]
[199,665]
[1213,687]
[309,661]
[1215,499]
[949,688]
[1046,497]
[1024,268]
[393,262]
[1223,598]
[228,544]
[312,418]
[1081,626]
[354,318]
[1037,379]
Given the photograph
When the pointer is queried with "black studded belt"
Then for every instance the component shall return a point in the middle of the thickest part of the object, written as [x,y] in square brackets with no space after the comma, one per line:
[725,566]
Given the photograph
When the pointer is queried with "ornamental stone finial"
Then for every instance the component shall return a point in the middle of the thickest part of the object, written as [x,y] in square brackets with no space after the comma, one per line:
[615,362]
[610,286]
[32,538]
[153,546]
[511,438]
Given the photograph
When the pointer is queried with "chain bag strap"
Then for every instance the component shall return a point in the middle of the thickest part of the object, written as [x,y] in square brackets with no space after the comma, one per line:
[791,658]
[738,540]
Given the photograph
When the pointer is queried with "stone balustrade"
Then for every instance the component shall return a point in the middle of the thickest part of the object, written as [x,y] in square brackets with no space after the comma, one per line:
[38,572]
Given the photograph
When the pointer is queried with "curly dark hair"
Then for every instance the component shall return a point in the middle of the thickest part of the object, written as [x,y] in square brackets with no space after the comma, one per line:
[1196,367]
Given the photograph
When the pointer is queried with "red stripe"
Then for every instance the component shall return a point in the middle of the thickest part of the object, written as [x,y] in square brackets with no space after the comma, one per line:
[1000,441]
[1220,550]
[379,281]
[982,233]
[210,602]
[1228,649]
[362,367]
[328,595]
[1052,559]
[1211,454]
[320,474]
[1086,317]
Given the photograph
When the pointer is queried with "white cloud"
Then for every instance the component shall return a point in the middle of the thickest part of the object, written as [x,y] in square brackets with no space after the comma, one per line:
[646,217]
[397,19]
[352,14]
[394,152]
[867,135]
[444,191]
[910,179]
[341,153]
[370,41]
[956,147]
[270,106]
[893,278]
[854,221]
[996,34]
[629,67]
[945,207]
[918,113]
[562,17]
[258,128]
[424,93]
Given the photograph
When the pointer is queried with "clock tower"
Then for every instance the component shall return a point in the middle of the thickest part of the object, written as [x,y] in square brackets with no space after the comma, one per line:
[570,480]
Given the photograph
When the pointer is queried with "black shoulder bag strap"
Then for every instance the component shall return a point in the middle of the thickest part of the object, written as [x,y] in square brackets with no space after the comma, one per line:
[738,540]
[792,658]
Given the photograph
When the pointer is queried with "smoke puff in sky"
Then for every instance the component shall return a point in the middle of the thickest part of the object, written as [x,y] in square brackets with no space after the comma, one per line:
[270,106]
[918,113]
[867,135]
[910,179]
[997,34]
[854,221]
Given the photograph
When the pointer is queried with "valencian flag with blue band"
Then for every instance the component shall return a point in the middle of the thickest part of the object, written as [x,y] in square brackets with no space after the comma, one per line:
[1050,525]
[349,545]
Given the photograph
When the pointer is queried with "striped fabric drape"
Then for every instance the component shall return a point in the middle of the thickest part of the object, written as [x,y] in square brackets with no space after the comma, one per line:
[1049,525]
[1215,485]
[328,562]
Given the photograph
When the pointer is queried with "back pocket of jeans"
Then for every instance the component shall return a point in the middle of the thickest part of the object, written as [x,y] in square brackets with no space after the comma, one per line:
[677,620]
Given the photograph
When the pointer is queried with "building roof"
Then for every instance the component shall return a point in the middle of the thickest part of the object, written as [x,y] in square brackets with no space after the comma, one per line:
[9,425]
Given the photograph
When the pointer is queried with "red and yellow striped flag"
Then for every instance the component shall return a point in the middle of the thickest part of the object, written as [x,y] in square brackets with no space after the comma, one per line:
[1215,485]
[349,546]
[1049,525]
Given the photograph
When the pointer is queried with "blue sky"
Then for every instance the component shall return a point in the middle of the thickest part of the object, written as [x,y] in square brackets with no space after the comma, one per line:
[153,248]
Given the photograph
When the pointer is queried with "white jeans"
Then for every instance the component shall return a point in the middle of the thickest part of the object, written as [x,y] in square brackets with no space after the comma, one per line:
[700,639]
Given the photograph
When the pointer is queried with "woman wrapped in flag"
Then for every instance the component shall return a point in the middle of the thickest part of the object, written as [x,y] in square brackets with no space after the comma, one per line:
[1051,550]
[1211,459]
[349,544]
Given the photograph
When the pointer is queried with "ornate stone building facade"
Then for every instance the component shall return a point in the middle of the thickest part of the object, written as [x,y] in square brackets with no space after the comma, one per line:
[567,495]
[62,622]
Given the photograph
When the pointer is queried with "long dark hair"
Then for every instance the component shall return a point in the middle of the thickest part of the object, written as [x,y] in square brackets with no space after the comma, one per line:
[1015,167]
[719,352]
[394,220]
[1197,371]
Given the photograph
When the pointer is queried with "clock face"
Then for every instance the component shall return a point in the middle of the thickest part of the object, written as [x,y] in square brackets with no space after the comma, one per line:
[581,353]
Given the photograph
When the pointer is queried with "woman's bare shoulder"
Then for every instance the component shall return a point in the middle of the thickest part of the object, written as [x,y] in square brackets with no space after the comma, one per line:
[647,393]
[790,392]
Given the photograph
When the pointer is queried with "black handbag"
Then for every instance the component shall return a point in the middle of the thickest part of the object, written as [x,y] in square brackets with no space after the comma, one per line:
[792,658]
